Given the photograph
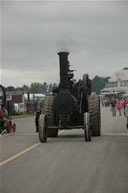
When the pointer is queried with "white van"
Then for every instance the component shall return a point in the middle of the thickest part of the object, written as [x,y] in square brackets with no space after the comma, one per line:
[19,108]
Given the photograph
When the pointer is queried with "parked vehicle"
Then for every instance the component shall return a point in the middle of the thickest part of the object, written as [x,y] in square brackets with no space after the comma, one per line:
[19,108]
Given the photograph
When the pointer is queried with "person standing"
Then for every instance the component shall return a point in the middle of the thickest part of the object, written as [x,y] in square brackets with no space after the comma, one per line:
[38,112]
[113,106]
[120,107]
[126,114]
[125,103]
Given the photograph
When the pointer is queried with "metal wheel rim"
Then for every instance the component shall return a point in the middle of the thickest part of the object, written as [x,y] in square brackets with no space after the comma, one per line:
[87,128]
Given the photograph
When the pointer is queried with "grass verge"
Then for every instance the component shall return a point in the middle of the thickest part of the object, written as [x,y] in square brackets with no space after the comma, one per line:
[21,116]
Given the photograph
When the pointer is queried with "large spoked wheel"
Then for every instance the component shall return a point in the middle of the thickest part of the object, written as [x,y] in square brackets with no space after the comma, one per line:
[85,93]
[87,128]
[43,131]
[2,96]
[47,110]
[95,115]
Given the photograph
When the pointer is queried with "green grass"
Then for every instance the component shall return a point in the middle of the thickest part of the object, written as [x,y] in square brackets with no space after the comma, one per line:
[21,116]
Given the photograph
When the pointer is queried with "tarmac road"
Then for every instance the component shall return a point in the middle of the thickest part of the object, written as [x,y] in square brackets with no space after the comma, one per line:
[66,164]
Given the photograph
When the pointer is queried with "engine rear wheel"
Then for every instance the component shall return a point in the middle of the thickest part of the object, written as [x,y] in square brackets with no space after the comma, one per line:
[95,116]
[47,110]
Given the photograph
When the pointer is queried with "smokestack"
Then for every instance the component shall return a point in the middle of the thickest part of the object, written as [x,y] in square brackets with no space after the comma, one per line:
[63,61]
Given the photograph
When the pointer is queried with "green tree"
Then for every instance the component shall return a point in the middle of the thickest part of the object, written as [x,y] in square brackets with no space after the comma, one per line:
[26,88]
[10,88]
[50,86]
[54,85]
[106,79]
[19,89]
[36,87]
[98,83]
[45,87]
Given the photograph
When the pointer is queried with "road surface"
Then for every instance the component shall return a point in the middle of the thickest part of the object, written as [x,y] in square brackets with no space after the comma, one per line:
[66,164]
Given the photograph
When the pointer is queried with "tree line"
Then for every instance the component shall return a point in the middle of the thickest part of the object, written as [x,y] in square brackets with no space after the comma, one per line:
[33,88]
[98,83]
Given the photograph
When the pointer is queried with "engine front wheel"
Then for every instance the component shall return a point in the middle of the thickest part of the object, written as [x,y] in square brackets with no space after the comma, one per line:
[87,128]
[43,131]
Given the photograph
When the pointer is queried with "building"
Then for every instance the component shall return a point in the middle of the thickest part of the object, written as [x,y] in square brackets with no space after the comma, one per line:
[118,83]
[17,102]
[34,97]
[14,97]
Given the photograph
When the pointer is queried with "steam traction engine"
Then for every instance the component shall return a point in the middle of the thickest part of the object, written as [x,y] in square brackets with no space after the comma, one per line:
[71,106]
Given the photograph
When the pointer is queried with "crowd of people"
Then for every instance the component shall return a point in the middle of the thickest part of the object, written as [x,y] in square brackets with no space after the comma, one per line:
[117,105]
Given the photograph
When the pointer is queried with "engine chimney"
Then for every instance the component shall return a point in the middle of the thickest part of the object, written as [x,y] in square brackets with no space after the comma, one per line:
[63,61]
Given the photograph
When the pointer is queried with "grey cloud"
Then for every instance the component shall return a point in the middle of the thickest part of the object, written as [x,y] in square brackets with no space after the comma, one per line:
[33,32]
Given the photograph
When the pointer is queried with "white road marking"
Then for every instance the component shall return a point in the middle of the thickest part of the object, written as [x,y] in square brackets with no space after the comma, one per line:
[115,134]
[18,154]
[22,152]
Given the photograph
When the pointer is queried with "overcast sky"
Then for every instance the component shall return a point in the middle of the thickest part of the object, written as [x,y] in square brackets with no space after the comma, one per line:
[94,32]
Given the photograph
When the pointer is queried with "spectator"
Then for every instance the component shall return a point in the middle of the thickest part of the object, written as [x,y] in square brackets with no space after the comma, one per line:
[38,112]
[113,106]
[35,106]
[125,103]
[126,114]
[120,107]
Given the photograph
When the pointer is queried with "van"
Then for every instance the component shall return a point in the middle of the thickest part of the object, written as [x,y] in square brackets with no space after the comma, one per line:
[19,108]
